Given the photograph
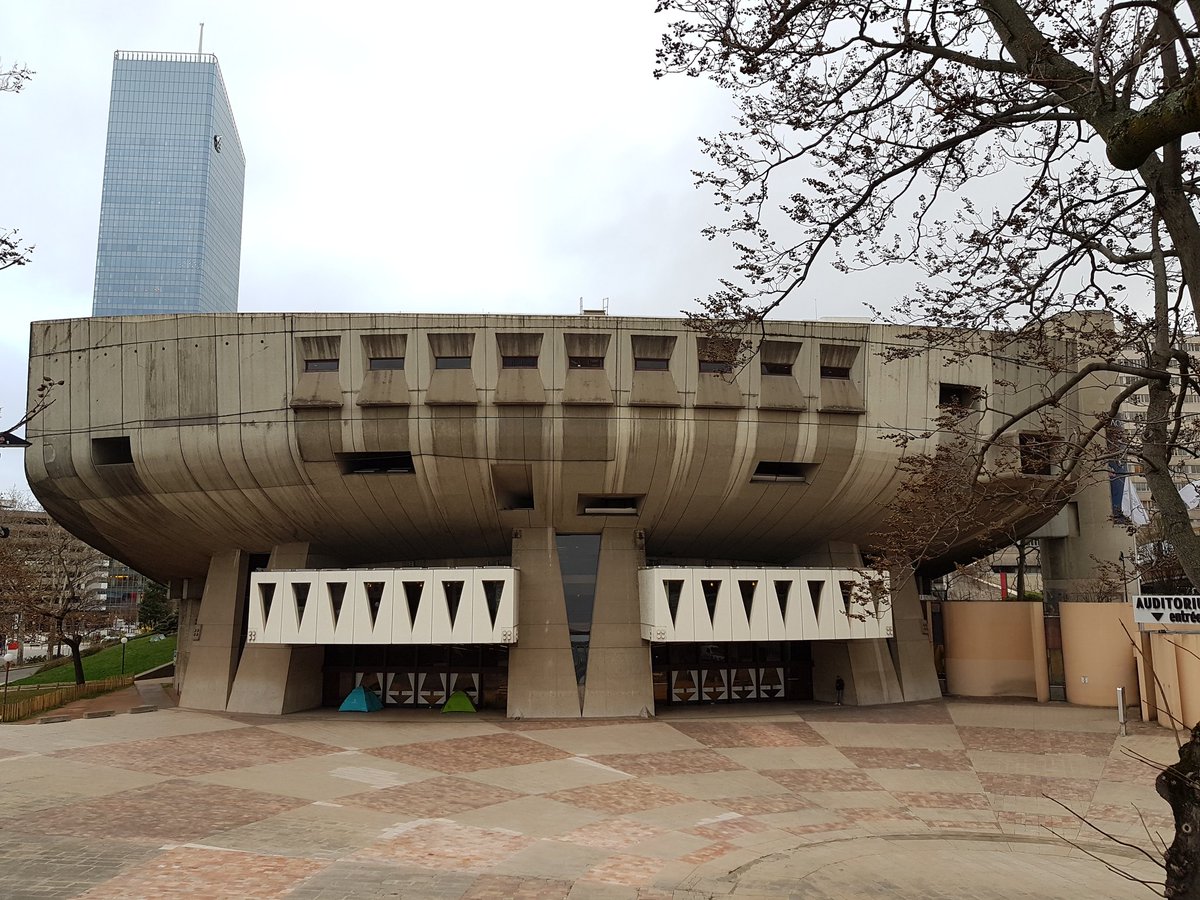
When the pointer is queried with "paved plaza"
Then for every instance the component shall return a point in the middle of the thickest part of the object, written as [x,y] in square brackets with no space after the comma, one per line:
[941,799]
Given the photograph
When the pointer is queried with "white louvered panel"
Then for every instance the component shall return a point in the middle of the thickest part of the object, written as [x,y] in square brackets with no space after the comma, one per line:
[335,625]
[765,621]
[503,629]
[412,613]
[775,624]
[297,608]
[263,625]
[743,588]
[656,623]
[372,627]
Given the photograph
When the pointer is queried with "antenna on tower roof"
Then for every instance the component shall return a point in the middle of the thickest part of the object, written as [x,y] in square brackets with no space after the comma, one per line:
[200,49]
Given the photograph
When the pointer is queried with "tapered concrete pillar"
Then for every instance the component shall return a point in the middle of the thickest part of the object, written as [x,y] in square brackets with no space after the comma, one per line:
[273,679]
[619,679]
[913,652]
[217,633]
[187,592]
[541,672]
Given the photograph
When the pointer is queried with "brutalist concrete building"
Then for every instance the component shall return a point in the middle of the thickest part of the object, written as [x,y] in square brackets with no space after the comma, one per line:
[559,516]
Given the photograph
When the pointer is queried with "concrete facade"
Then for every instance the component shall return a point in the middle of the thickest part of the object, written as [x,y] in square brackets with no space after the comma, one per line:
[201,448]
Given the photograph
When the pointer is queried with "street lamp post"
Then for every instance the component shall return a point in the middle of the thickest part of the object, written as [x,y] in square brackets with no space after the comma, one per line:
[8,658]
[124,641]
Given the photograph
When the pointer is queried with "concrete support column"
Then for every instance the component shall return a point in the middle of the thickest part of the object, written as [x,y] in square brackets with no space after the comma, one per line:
[273,679]
[541,672]
[914,654]
[187,593]
[217,633]
[619,679]
[865,665]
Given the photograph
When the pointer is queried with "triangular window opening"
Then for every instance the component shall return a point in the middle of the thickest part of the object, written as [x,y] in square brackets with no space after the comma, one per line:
[748,588]
[492,592]
[847,588]
[782,590]
[412,596]
[337,594]
[453,591]
[300,592]
[674,591]
[711,589]
[374,591]
[814,592]
[266,591]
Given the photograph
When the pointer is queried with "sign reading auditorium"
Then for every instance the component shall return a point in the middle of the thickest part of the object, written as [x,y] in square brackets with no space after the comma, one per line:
[1150,609]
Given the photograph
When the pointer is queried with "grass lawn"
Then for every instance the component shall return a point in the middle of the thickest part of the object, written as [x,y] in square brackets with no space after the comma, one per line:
[140,655]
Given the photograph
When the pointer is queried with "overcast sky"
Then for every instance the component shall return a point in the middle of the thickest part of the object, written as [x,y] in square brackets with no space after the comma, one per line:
[474,157]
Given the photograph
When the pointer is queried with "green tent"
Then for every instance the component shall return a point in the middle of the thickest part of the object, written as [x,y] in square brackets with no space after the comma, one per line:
[360,700]
[458,702]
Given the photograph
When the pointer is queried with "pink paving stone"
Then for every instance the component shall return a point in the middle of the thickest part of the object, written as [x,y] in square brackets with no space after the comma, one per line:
[628,871]
[1129,770]
[1129,814]
[709,853]
[1012,817]
[771,803]
[1020,740]
[735,734]
[612,834]
[472,754]
[620,797]
[934,713]
[855,815]
[444,845]
[674,762]
[200,754]
[807,780]
[192,872]
[941,800]
[433,797]
[1037,786]
[897,758]
[175,810]
[729,829]
[516,887]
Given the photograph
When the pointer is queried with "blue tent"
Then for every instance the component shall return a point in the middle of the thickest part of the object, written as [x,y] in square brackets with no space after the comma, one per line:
[360,700]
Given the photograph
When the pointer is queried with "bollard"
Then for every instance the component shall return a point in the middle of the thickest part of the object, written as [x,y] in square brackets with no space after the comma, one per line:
[1121,709]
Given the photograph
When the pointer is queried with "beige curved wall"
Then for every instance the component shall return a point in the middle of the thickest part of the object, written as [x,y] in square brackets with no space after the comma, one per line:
[173,439]
[1095,647]
[989,649]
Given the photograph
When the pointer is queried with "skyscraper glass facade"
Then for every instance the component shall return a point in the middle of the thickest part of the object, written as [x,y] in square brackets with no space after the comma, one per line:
[171,208]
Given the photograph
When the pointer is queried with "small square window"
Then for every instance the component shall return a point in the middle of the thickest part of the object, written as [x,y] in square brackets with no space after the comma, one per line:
[112,451]
[452,362]
[385,363]
[320,365]
[773,470]
[518,362]
[651,364]
[585,362]
[776,368]
[835,372]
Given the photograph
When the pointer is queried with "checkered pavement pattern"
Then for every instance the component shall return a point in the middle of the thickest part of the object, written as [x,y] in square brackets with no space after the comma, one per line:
[419,805]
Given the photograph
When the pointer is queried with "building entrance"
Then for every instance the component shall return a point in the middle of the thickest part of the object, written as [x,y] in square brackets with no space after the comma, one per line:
[732,672]
[418,675]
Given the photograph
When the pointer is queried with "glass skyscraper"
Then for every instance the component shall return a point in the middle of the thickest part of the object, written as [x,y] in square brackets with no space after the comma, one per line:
[171,209]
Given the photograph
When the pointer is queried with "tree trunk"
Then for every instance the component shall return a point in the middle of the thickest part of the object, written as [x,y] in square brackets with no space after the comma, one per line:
[76,659]
[1179,785]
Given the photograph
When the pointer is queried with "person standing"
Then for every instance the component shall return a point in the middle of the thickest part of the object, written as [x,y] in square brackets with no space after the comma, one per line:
[840,687]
